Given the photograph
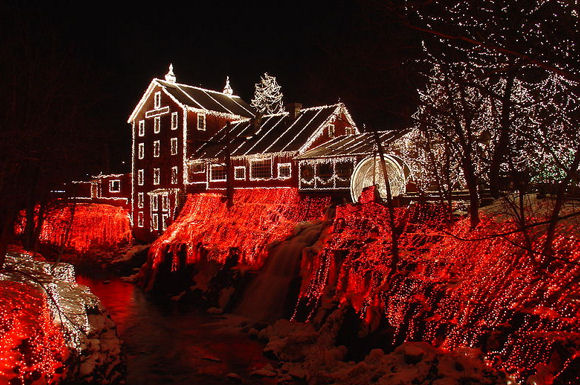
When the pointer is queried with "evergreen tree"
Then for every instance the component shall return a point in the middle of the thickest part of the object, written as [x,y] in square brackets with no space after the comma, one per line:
[267,96]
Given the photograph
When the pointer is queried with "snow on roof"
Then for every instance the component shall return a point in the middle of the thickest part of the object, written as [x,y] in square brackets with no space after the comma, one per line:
[348,145]
[274,133]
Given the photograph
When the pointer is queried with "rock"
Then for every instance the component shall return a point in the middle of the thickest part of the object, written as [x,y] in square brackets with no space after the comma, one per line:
[234,377]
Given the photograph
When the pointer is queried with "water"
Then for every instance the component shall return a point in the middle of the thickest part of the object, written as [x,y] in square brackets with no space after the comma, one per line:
[167,345]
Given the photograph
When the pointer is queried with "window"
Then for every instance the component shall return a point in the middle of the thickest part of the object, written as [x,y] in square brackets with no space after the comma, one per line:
[141,151]
[261,169]
[141,128]
[157,99]
[165,202]
[201,122]
[331,130]
[140,219]
[140,200]
[173,146]
[156,148]
[174,174]
[174,121]
[155,221]
[343,171]
[284,170]
[240,173]
[141,177]
[157,125]
[348,130]
[164,219]
[115,185]
[196,167]
[156,176]
[154,203]
[217,173]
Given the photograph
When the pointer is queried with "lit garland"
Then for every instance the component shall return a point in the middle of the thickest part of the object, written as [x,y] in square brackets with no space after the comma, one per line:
[258,218]
[487,294]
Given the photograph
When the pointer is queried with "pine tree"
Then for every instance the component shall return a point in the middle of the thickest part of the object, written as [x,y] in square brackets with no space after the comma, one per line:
[267,96]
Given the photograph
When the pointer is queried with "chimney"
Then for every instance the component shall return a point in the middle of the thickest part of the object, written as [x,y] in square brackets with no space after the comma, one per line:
[293,109]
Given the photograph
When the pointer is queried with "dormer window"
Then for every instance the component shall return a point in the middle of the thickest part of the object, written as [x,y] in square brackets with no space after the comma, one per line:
[141,128]
[174,121]
[115,186]
[201,122]
[157,99]
[157,125]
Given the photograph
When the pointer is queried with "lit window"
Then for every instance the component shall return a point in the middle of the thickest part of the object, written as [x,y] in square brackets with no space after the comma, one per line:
[348,130]
[141,128]
[154,203]
[141,177]
[140,219]
[196,167]
[140,200]
[155,220]
[165,202]
[158,99]
[115,186]
[141,150]
[331,130]
[156,176]
[156,147]
[201,122]
[261,169]
[157,125]
[240,173]
[174,174]
[284,170]
[174,121]
[217,173]
[173,146]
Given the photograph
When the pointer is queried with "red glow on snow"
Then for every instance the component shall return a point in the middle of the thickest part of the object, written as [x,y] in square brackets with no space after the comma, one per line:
[259,217]
[487,294]
[94,226]
[32,348]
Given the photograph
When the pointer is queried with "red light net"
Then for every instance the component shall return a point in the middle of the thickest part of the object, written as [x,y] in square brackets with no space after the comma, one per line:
[93,226]
[32,348]
[487,293]
[259,217]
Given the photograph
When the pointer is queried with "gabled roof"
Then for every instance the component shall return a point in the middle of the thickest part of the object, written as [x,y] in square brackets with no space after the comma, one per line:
[275,133]
[352,145]
[197,98]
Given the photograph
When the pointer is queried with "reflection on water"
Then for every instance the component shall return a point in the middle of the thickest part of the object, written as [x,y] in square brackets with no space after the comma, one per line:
[165,345]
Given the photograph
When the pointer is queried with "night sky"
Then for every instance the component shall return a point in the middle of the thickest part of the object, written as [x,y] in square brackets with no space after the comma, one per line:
[320,52]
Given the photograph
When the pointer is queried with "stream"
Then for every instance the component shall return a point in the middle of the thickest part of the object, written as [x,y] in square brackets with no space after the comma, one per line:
[165,344]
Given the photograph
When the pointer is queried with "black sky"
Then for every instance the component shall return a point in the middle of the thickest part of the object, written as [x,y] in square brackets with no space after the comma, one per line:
[320,52]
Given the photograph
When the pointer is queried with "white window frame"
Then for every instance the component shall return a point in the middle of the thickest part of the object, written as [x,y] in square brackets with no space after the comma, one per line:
[173,146]
[156,176]
[174,121]
[202,126]
[140,200]
[141,128]
[331,131]
[141,177]
[111,184]
[174,175]
[211,167]
[157,100]
[140,219]
[156,125]
[252,177]
[165,202]
[289,165]
[155,221]
[237,168]
[164,218]
[154,203]
[156,148]
[203,170]
[141,151]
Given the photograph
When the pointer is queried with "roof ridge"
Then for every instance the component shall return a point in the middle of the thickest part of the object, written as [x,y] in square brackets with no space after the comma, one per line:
[197,87]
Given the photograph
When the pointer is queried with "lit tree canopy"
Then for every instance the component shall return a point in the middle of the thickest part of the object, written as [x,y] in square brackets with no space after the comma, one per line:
[267,96]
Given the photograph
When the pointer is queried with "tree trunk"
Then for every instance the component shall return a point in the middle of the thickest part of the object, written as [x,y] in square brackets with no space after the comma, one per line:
[471,180]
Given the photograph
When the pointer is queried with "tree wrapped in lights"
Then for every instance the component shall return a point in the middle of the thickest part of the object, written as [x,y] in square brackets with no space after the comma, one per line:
[267,96]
